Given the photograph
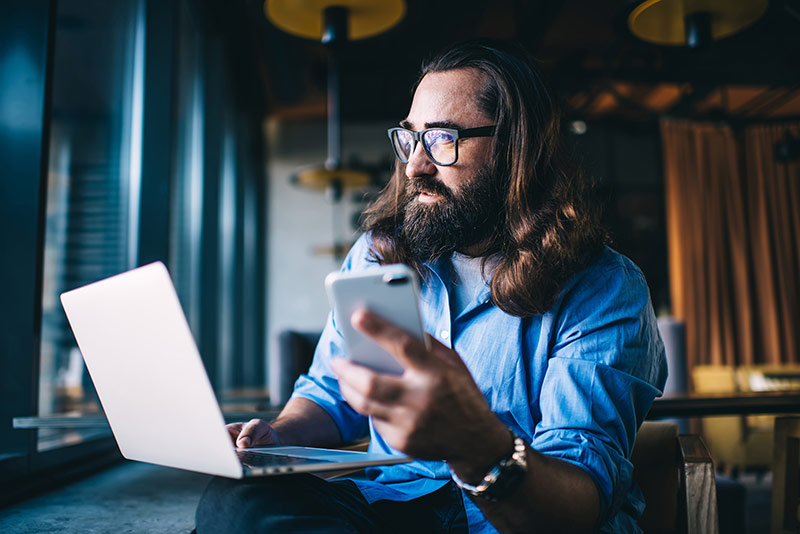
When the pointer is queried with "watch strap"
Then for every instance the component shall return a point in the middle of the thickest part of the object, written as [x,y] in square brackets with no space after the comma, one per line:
[503,478]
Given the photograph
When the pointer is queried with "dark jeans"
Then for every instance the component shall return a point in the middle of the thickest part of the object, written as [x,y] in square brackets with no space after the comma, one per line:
[308,504]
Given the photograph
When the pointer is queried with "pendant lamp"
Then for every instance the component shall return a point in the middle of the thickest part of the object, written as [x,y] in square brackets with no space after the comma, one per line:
[334,22]
[692,23]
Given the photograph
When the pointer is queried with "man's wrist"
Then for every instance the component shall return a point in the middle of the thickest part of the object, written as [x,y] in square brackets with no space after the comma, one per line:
[503,478]
[475,464]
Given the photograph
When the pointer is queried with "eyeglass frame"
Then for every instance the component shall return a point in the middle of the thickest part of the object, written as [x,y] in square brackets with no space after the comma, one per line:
[464,133]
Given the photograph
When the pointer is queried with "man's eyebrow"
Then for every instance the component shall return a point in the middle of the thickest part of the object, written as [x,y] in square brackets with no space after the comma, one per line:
[443,124]
[436,124]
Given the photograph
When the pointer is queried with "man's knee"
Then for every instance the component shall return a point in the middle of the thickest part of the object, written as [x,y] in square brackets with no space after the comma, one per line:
[264,504]
[228,505]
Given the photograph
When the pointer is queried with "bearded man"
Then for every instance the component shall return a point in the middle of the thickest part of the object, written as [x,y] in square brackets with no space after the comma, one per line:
[545,356]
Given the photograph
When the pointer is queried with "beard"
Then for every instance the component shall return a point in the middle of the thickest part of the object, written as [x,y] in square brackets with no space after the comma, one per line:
[458,220]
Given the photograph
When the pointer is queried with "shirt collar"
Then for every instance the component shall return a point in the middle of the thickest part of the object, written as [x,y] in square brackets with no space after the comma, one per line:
[443,269]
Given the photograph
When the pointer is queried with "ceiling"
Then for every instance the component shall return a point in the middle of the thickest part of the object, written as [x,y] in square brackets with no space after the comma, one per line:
[584,47]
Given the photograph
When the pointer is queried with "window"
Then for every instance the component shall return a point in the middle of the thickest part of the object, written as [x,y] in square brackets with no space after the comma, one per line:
[127,135]
[186,226]
[91,228]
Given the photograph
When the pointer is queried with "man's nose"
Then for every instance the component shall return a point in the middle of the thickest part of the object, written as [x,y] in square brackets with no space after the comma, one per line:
[419,164]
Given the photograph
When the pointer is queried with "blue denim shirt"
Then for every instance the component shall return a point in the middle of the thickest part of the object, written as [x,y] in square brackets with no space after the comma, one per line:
[575,382]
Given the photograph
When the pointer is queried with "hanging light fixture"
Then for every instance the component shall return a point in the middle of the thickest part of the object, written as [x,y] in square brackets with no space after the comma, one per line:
[334,22]
[692,23]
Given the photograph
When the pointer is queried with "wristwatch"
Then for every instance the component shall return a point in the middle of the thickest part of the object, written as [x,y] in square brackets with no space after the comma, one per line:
[503,478]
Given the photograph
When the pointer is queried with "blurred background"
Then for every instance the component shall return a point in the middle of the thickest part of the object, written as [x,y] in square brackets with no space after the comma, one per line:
[219,140]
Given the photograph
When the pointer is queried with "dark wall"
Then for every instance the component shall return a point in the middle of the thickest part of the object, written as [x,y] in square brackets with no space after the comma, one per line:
[624,159]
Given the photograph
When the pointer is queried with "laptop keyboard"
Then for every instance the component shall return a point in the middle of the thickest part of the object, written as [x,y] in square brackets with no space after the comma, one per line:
[255,459]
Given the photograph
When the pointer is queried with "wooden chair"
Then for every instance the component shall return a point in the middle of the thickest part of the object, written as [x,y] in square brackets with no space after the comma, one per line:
[676,476]
[786,476]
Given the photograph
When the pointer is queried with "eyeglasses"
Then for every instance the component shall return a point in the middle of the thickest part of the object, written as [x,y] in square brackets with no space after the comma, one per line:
[440,144]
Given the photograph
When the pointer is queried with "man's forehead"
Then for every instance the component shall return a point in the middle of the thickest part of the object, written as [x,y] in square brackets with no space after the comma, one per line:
[446,99]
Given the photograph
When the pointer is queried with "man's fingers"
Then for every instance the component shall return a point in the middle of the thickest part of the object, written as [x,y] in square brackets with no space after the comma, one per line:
[376,386]
[367,391]
[234,429]
[253,433]
[364,405]
[444,352]
[409,351]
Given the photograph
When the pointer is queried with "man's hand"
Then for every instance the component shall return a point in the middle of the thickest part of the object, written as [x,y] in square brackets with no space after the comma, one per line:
[254,433]
[301,422]
[434,411]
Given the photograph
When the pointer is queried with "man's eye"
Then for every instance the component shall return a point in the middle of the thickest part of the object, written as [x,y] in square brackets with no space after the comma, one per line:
[439,137]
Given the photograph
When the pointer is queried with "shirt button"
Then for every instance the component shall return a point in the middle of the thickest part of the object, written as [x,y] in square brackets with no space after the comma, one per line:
[444,334]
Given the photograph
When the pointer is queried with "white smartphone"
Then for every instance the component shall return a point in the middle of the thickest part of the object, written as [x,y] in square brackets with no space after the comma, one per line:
[390,291]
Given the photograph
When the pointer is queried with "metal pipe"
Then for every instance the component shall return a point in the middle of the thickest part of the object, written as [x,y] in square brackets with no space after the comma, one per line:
[334,35]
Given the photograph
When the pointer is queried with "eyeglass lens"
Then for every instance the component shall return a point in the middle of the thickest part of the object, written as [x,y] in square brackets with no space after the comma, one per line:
[439,144]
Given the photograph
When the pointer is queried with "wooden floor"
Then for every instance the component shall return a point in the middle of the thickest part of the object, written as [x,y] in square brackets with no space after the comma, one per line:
[129,498]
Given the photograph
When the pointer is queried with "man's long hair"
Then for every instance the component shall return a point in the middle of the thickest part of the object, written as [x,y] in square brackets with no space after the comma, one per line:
[549,228]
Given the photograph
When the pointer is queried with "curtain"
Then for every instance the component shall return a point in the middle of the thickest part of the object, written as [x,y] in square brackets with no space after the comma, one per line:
[773,192]
[733,231]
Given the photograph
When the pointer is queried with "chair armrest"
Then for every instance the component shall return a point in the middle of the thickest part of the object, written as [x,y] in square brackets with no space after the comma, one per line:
[698,484]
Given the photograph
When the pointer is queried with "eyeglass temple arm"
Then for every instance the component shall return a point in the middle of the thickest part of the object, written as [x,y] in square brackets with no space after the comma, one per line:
[480,131]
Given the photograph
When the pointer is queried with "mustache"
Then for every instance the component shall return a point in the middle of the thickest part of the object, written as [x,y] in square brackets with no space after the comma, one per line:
[428,184]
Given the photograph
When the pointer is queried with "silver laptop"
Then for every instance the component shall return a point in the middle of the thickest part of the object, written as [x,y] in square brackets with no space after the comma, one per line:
[155,391]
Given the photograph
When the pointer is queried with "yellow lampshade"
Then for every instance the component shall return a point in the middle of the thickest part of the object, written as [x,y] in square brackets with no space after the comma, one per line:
[664,21]
[304,18]
[318,177]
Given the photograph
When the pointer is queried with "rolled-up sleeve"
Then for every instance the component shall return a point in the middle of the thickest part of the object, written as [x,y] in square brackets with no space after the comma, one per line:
[605,368]
[321,386]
